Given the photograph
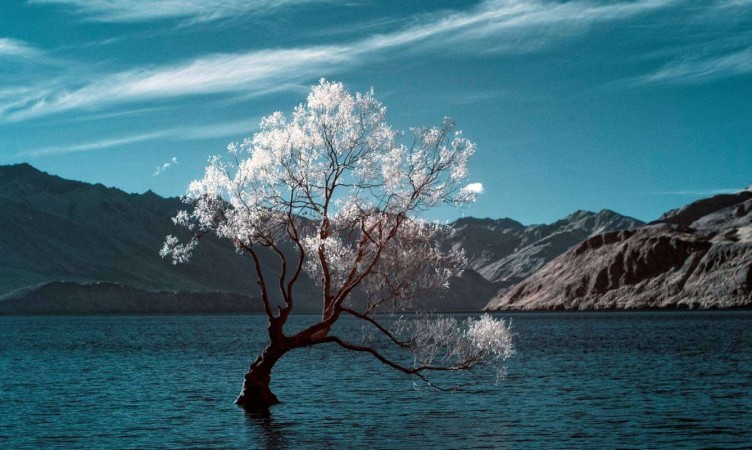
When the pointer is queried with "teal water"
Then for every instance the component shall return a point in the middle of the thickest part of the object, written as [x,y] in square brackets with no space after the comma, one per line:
[578,380]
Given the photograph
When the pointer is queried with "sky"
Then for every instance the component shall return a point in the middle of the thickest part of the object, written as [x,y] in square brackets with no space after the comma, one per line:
[637,106]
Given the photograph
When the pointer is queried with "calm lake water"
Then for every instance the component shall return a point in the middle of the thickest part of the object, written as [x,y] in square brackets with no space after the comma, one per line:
[593,380]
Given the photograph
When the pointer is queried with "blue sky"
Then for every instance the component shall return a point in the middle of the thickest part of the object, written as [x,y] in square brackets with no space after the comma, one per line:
[637,106]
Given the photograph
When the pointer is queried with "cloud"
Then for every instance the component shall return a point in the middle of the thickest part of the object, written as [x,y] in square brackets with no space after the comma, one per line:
[172,134]
[494,25]
[468,97]
[257,71]
[711,41]
[487,17]
[698,193]
[19,49]
[512,26]
[95,145]
[473,188]
[111,114]
[150,10]
[215,131]
[160,169]
[469,193]
[697,70]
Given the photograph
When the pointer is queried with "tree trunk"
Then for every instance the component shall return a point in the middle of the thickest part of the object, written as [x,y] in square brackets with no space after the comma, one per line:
[256,395]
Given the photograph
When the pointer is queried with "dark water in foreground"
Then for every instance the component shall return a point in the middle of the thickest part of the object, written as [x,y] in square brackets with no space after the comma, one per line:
[602,380]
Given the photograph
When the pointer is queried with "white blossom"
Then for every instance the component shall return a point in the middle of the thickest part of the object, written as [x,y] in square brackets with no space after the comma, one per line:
[180,253]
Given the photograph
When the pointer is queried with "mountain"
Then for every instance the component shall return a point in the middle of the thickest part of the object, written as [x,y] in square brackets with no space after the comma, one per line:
[699,256]
[505,252]
[64,297]
[58,230]
[63,230]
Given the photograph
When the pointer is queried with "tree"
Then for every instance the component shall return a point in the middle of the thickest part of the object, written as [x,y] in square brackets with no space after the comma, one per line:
[335,195]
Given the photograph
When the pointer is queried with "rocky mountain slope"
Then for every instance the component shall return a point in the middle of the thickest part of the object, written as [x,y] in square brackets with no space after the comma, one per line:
[506,252]
[699,256]
[60,230]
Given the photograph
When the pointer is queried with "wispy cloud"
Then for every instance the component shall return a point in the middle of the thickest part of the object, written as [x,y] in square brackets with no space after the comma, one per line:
[93,145]
[149,10]
[710,41]
[474,96]
[697,193]
[171,134]
[512,26]
[111,114]
[251,72]
[215,130]
[496,24]
[160,169]
[15,48]
[697,70]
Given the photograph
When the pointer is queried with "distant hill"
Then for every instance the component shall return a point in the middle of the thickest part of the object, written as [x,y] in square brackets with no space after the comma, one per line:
[699,256]
[58,230]
[62,230]
[64,297]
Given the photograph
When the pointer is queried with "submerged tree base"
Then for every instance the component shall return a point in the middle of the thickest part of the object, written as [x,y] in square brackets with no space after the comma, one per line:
[256,394]
[256,398]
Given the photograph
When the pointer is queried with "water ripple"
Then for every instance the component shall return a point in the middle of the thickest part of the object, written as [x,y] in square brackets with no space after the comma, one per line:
[578,380]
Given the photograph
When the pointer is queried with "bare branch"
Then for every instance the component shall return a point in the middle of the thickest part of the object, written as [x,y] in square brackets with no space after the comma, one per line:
[260,279]
[416,371]
[376,324]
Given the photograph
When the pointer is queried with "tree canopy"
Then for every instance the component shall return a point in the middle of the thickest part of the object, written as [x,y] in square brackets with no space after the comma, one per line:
[337,194]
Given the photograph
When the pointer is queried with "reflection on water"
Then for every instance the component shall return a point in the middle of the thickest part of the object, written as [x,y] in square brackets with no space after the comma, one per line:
[651,380]
[264,430]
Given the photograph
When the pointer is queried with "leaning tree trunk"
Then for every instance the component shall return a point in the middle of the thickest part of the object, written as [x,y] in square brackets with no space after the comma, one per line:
[256,394]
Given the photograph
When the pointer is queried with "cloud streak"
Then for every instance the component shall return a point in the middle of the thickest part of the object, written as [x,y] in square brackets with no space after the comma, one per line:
[699,70]
[512,26]
[495,25]
[151,10]
[19,49]
[257,72]
[172,134]
[94,145]
[697,193]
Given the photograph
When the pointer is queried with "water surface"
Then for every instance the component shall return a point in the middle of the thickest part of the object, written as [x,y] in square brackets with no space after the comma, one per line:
[593,380]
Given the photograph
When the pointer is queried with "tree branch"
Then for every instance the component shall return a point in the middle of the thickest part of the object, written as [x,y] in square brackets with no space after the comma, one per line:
[417,371]
[295,237]
[261,281]
[380,327]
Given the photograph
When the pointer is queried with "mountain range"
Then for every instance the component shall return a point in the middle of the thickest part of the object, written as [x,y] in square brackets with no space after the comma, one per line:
[698,256]
[83,235]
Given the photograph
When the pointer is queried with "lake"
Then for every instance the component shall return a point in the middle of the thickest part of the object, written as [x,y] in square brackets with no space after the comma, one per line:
[592,380]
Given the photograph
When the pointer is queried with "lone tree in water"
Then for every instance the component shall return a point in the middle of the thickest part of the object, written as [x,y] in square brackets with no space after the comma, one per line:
[333,193]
